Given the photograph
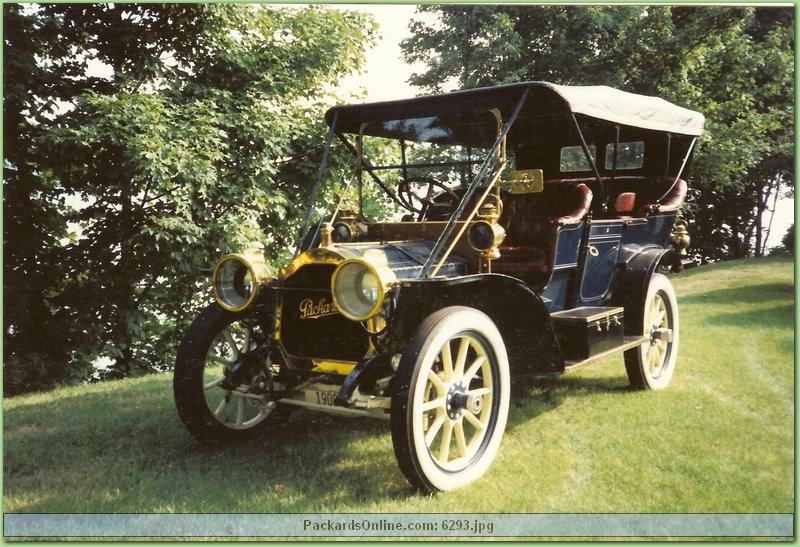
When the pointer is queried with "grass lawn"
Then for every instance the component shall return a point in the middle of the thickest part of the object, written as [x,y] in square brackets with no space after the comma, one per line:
[720,439]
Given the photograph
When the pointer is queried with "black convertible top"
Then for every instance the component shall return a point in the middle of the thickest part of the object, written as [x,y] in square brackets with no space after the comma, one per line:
[545,100]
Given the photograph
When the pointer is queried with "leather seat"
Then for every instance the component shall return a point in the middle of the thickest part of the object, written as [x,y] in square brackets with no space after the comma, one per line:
[531,222]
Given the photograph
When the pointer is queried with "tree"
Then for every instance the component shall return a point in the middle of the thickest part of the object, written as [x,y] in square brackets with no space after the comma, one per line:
[487,45]
[744,81]
[141,141]
[787,241]
[734,64]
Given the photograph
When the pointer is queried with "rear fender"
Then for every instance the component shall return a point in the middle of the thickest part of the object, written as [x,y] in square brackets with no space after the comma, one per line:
[519,314]
[630,286]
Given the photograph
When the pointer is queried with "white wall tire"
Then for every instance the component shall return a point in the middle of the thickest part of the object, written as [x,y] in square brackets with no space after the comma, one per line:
[451,399]
[651,365]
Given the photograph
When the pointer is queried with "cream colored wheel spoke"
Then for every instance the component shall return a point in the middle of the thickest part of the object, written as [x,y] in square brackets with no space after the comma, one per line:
[448,432]
[461,441]
[652,365]
[476,365]
[472,419]
[437,383]
[450,409]
[447,361]
[222,380]
[444,446]
[657,354]
[212,384]
[483,391]
[653,361]
[658,313]
[223,404]
[221,360]
[434,429]
[433,404]
[231,408]
[463,348]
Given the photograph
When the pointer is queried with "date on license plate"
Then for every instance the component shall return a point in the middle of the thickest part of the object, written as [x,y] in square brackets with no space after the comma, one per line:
[321,394]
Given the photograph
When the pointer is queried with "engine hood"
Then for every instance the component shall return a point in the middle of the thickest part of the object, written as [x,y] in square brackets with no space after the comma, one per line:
[404,258]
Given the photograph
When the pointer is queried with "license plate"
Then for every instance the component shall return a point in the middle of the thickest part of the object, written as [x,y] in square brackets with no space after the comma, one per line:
[321,394]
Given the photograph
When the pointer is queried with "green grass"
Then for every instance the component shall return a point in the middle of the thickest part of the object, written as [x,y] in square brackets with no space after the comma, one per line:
[719,439]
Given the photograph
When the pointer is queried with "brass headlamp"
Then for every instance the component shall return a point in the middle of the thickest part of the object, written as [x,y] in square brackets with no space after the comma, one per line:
[239,277]
[359,288]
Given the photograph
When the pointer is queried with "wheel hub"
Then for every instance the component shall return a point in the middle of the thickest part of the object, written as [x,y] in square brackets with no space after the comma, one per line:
[660,334]
[248,370]
[458,400]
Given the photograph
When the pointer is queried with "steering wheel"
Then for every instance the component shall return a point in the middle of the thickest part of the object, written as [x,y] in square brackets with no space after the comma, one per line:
[420,202]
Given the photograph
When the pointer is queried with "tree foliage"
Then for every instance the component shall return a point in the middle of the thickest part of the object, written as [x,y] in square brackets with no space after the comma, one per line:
[734,64]
[141,141]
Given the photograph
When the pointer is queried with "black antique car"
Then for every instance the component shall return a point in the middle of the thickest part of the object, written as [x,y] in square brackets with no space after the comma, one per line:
[480,237]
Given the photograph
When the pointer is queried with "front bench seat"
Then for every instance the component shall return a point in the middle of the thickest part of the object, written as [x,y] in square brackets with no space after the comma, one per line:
[531,222]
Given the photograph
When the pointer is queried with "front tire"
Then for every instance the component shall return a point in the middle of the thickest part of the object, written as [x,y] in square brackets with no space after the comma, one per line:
[451,399]
[223,379]
[651,365]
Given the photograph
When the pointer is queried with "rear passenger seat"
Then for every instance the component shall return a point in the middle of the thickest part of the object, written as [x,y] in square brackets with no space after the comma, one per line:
[637,197]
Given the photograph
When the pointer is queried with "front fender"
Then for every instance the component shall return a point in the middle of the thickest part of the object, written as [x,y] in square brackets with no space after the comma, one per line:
[518,312]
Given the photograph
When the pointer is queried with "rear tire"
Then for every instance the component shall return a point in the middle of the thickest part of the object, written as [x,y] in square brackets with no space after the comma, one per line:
[651,365]
[450,401]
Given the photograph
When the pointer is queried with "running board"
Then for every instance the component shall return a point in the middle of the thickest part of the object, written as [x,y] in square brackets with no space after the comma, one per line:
[629,342]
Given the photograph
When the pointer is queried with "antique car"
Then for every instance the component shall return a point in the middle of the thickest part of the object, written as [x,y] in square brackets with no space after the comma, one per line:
[479,238]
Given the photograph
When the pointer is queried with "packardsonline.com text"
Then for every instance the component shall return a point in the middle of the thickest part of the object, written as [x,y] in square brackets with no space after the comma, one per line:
[444,526]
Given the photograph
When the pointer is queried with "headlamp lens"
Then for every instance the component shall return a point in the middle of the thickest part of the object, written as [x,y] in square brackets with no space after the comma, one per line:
[233,283]
[357,291]
[238,278]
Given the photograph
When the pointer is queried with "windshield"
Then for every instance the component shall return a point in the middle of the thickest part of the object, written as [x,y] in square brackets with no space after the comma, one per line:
[416,168]
[445,148]
[409,169]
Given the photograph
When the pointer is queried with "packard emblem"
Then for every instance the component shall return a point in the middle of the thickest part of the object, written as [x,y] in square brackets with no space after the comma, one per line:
[314,310]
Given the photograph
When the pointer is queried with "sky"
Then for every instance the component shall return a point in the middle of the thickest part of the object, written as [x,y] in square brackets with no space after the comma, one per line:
[385,74]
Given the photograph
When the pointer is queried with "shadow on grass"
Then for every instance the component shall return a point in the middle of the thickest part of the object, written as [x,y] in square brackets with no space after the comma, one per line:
[533,397]
[319,462]
[314,462]
[779,316]
[126,451]
[749,293]
[762,306]
[129,452]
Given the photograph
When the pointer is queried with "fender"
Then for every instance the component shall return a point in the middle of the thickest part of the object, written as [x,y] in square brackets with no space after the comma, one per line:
[630,286]
[518,312]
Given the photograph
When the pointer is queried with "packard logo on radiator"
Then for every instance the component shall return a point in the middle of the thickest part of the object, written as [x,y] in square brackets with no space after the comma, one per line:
[314,310]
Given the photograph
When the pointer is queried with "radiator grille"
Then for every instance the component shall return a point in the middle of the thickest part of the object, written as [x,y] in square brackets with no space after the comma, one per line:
[310,326]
